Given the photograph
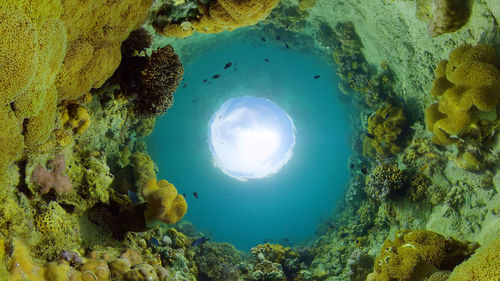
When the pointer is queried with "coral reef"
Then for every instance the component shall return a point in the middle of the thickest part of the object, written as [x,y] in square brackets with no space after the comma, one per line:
[384,131]
[414,255]
[163,202]
[52,179]
[150,81]
[465,85]
[449,16]
[385,180]
[214,17]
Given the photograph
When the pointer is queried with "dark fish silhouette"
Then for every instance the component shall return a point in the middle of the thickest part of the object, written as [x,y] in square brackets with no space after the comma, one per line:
[185,85]
[317,76]
[199,241]
[364,170]
[278,37]
[228,65]
[263,39]
[286,45]
[266,60]
[195,194]
[194,100]
[216,76]
[184,195]
[154,242]
[205,80]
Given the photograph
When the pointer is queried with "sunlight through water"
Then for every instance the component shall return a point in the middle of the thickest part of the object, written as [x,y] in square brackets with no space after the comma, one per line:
[251,137]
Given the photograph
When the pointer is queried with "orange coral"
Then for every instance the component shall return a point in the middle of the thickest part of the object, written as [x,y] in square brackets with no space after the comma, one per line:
[469,82]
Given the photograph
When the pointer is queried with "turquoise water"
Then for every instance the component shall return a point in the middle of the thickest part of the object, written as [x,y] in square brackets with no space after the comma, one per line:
[288,205]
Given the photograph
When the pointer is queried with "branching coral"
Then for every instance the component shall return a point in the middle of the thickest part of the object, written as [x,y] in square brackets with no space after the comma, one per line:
[384,131]
[415,255]
[217,16]
[163,203]
[151,81]
[465,85]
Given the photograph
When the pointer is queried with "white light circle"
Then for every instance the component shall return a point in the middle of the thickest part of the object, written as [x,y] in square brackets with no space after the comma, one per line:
[250,137]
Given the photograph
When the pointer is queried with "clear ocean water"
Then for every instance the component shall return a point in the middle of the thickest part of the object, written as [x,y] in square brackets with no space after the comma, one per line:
[287,206]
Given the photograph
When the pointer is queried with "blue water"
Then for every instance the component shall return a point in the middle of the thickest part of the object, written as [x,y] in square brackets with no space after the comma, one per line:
[287,205]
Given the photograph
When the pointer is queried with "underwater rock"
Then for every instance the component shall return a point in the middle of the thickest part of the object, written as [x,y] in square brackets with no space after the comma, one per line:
[150,81]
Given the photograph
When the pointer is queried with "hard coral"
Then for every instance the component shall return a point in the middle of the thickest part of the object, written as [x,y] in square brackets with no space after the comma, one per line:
[384,129]
[415,255]
[466,84]
[76,117]
[449,16]
[163,203]
[217,16]
[385,179]
[151,81]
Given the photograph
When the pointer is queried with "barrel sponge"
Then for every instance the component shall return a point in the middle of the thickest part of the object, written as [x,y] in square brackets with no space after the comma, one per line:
[483,265]
[468,82]
[223,15]
[163,202]
[95,30]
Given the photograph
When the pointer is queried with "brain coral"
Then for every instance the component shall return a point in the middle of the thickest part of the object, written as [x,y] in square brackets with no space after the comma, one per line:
[466,84]
[217,16]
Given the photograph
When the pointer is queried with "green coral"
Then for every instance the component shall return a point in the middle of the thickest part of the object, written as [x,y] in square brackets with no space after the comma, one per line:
[384,132]
[467,84]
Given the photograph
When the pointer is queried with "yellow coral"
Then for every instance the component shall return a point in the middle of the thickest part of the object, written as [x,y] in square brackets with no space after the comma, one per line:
[221,15]
[22,266]
[77,117]
[163,202]
[274,252]
[11,140]
[384,128]
[46,223]
[468,82]
[483,265]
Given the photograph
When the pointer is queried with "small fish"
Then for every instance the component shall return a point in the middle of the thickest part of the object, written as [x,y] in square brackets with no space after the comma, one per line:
[317,76]
[235,69]
[154,242]
[228,65]
[205,80]
[194,100]
[263,39]
[185,85]
[216,76]
[286,46]
[199,241]
[278,37]
[184,195]
[364,170]
[195,194]
[133,197]
[266,60]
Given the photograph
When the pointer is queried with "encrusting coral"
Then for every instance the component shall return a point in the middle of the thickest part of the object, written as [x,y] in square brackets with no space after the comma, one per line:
[384,129]
[415,255]
[215,17]
[163,203]
[465,85]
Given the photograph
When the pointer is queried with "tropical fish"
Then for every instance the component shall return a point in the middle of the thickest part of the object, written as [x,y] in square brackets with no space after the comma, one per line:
[286,45]
[195,194]
[185,85]
[184,195]
[216,76]
[154,242]
[263,39]
[228,65]
[278,37]
[317,76]
[266,60]
[199,241]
